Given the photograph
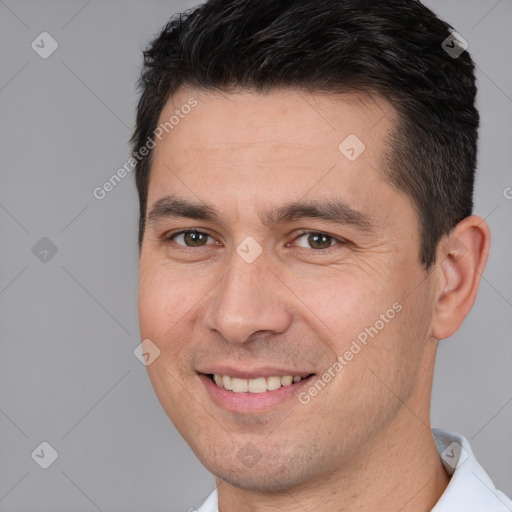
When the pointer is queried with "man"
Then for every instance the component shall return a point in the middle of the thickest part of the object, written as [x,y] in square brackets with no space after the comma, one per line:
[306,239]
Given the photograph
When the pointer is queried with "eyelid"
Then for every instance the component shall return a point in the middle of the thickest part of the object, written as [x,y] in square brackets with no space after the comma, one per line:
[169,237]
[339,240]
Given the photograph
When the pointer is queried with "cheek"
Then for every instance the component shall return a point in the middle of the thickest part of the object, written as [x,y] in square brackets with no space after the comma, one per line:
[163,303]
[163,300]
[168,303]
[395,356]
[152,298]
[341,305]
[371,320]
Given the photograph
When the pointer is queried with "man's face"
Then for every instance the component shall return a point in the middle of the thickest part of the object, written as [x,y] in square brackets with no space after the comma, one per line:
[252,297]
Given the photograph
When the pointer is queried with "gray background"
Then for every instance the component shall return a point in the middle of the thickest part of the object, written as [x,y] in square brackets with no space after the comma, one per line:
[69,325]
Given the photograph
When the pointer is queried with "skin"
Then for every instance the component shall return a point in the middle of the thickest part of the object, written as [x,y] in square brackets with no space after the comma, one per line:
[364,441]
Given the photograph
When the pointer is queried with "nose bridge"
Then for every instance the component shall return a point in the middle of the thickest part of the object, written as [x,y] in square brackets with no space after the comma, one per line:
[246,300]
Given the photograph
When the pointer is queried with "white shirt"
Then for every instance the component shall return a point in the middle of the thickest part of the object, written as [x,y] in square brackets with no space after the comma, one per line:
[470,489]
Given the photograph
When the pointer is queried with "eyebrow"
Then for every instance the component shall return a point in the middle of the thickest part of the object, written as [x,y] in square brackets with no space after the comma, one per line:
[335,211]
[171,206]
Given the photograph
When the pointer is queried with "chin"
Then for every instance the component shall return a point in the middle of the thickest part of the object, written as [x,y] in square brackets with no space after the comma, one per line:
[259,479]
[267,475]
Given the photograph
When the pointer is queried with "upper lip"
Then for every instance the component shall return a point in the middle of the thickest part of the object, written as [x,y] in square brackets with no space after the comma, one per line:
[252,373]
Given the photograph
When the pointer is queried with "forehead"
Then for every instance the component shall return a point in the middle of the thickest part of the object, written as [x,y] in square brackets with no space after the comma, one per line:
[294,119]
[263,148]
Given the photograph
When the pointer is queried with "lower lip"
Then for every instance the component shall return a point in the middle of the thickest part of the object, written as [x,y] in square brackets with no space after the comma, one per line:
[251,402]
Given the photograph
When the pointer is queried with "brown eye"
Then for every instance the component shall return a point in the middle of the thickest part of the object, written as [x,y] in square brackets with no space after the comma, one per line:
[190,238]
[317,240]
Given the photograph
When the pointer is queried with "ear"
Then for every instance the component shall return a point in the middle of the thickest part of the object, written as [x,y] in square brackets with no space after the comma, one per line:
[461,259]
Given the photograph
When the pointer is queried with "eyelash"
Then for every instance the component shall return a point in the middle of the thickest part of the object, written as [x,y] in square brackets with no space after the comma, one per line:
[339,241]
[170,238]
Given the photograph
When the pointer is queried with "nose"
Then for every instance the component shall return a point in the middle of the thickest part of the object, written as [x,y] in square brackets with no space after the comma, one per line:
[248,299]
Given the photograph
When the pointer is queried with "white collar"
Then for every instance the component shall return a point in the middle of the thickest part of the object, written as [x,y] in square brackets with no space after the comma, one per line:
[470,489]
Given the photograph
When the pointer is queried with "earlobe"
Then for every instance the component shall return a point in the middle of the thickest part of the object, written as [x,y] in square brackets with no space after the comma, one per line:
[461,260]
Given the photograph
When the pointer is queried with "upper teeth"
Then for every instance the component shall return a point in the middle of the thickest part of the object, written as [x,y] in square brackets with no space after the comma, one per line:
[259,385]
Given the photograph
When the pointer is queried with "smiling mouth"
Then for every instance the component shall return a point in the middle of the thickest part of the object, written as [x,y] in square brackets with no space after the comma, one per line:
[258,385]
